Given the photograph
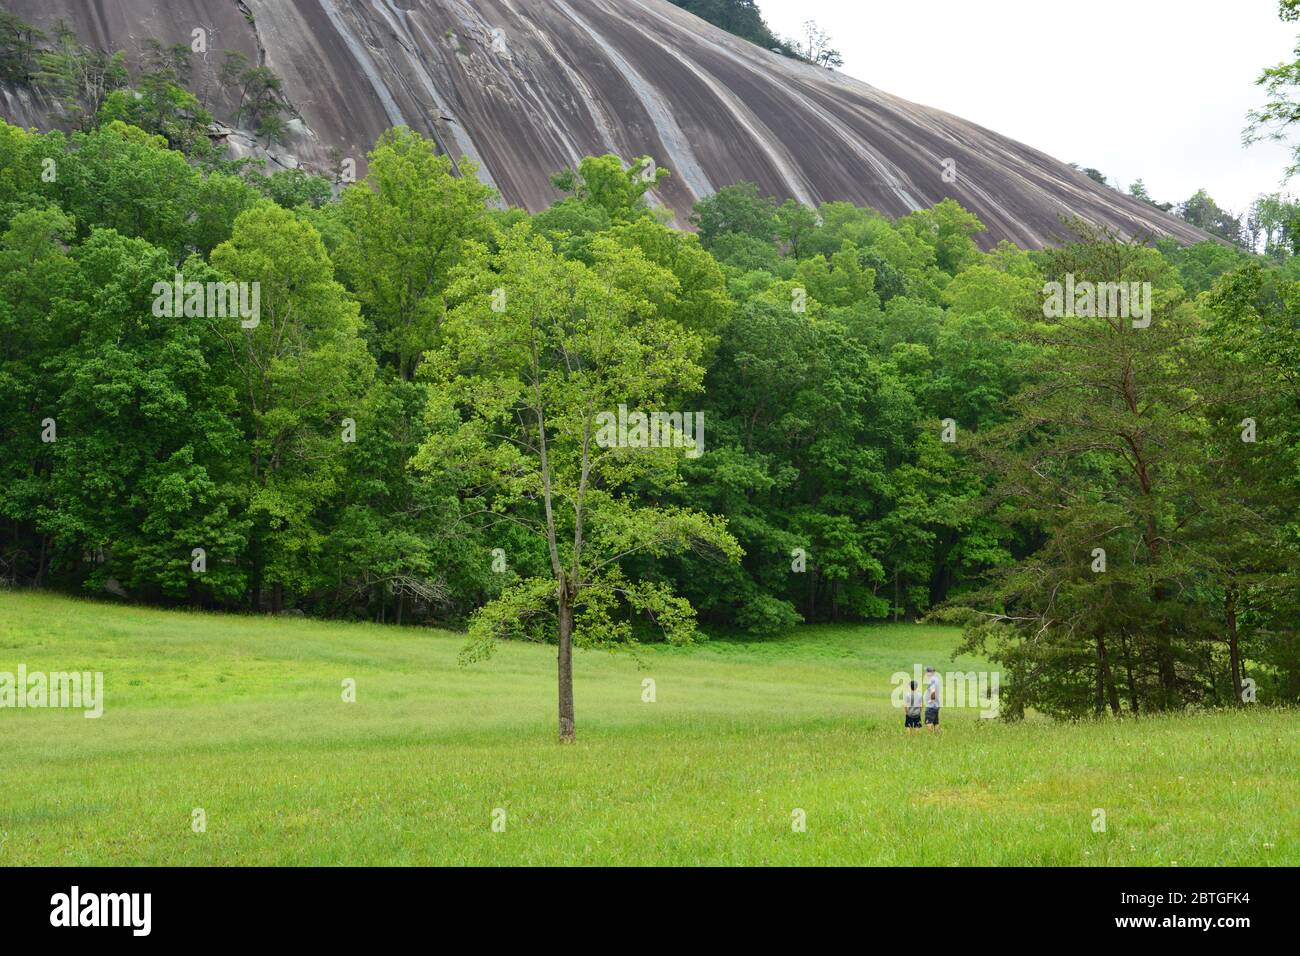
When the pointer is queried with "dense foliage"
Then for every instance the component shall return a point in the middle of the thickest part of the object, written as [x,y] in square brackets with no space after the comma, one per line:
[741,17]
[365,449]
[886,422]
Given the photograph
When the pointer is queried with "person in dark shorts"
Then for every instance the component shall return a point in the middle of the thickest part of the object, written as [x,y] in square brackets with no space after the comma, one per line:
[912,708]
[933,699]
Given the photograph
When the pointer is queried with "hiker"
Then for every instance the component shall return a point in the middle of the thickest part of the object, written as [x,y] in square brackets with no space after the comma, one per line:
[912,708]
[933,699]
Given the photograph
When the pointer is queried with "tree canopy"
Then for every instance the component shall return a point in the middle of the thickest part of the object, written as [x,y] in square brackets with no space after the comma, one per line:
[392,400]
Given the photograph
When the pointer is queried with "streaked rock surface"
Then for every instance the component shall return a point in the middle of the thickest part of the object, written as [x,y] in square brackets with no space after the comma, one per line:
[526,87]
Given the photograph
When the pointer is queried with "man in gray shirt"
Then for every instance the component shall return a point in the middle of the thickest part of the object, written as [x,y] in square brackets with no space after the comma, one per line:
[933,698]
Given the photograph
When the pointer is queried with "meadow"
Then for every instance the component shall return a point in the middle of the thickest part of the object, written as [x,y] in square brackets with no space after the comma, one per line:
[243,717]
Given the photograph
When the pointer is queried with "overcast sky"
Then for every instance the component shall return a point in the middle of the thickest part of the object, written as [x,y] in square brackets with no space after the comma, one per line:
[1141,89]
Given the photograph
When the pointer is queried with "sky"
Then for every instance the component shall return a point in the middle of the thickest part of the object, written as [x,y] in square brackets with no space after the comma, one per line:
[1156,90]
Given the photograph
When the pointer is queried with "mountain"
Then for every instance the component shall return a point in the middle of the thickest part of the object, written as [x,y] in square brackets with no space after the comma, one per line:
[527,87]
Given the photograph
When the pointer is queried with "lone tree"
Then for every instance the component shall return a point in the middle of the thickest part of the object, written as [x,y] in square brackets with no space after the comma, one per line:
[535,353]
[815,47]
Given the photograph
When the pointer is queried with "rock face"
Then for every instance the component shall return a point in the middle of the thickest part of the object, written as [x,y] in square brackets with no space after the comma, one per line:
[526,87]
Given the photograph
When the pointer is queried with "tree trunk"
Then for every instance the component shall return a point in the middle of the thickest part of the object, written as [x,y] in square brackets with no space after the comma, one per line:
[896,594]
[1104,678]
[40,562]
[565,660]
[1163,642]
[1230,613]
[277,598]
[255,577]
[940,577]
[1097,695]
[1164,646]
[1128,668]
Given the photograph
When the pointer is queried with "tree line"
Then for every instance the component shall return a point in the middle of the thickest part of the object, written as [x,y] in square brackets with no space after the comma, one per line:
[893,424]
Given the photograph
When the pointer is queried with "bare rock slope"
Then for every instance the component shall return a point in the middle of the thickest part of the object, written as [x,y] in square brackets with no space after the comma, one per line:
[526,87]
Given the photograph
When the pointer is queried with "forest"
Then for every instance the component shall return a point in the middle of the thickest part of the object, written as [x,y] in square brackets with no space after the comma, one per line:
[893,426]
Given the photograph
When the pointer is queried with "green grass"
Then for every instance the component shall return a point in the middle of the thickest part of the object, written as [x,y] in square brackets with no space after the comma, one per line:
[243,717]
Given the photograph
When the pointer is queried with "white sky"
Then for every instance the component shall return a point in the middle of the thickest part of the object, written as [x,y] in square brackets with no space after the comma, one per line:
[1140,89]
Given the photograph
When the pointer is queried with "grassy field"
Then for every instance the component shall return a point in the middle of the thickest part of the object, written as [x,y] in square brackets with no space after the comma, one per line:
[244,718]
